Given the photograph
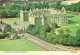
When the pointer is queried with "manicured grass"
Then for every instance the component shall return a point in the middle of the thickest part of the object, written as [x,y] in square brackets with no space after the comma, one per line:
[76,19]
[71,15]
[67,25]
[13,19]
[18,45]
[73,29]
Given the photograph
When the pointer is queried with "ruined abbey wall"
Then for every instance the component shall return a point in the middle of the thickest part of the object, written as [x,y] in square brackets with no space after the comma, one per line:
[24,15]
[31,19]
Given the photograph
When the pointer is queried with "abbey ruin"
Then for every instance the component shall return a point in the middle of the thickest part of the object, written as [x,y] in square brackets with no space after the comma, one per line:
[44,16]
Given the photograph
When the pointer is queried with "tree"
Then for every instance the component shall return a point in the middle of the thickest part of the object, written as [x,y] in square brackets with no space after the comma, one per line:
[35,30]
[78,31]
[12,7]
[50,37]
[45,4]
[57,5]
[33,6]
[27,7]
[53,26]
[67,31]
[43,35]
[12,13]
[45,28]
[3,14]
[22,7]
[62,39]
[73,7]
[72,41]
[6,0]
[77,39]
[67,7]
[56,39]
[2,7]
[30,27]
[78,7]
[61,32]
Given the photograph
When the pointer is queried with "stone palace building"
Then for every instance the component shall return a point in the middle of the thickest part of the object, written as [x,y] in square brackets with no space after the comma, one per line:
[45,16]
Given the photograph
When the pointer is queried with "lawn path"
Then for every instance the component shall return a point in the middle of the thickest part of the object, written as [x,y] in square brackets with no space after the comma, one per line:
[56,30]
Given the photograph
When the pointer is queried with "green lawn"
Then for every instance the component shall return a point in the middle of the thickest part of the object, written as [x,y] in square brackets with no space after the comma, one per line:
[18,45]
[11,19]
[76,19]
[73,29]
